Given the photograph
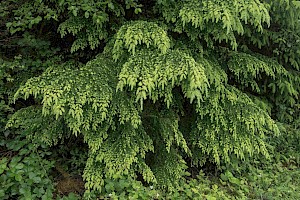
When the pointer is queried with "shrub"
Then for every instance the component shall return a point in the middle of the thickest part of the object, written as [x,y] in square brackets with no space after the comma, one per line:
[154,87]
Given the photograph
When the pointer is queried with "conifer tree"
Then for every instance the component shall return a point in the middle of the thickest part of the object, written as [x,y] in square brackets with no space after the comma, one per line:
[153,87]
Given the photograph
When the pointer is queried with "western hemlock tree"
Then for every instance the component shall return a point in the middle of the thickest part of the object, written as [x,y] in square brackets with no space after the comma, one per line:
[155,86]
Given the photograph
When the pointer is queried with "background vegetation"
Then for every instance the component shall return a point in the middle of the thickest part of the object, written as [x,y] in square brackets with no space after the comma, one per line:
[149,99]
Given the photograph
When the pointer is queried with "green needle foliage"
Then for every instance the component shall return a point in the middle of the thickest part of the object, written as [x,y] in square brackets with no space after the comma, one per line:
[153,87]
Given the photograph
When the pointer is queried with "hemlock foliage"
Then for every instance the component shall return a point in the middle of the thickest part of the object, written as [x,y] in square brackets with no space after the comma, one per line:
[158,90]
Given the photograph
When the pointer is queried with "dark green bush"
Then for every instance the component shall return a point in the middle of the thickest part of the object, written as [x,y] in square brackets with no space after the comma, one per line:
[24,170]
